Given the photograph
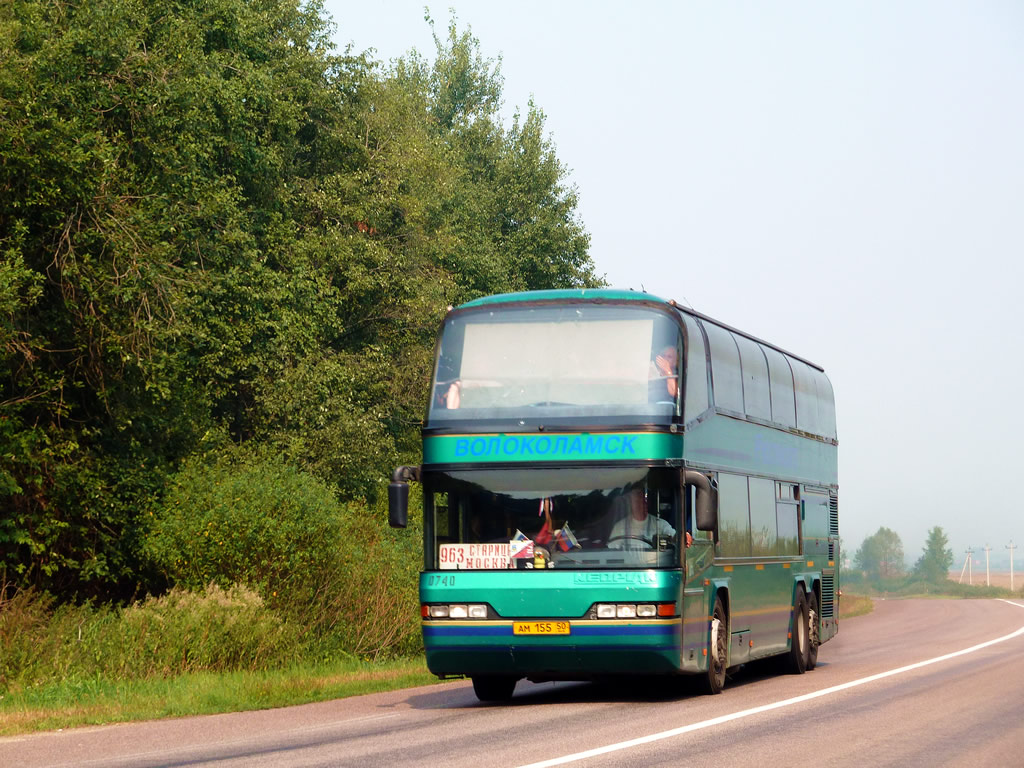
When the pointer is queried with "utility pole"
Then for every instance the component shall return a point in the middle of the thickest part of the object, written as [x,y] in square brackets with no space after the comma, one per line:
[967,563]
[1011,547]
[988,580]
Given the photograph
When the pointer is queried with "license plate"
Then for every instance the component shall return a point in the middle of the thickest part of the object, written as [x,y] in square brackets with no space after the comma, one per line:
[540,628]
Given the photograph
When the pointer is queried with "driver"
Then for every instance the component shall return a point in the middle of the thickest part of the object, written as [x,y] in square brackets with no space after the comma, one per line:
[638,530]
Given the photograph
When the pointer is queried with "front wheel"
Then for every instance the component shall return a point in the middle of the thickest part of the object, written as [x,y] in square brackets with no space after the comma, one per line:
[718,650]
[796,659]
[813,636]
[493,687]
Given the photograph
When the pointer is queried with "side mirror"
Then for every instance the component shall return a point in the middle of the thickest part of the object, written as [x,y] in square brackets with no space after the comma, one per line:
[398,496]
[398,504]
[707,501]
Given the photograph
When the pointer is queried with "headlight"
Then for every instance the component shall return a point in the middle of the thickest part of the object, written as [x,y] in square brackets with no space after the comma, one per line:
[455,611]
[633,611]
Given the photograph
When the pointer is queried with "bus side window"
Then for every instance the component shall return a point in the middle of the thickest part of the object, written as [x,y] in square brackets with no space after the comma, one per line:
[763,518]
[787,507]
[733,515]
[815,514]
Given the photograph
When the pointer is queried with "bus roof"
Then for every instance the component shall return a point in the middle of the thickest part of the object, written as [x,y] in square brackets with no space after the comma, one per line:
[593,294]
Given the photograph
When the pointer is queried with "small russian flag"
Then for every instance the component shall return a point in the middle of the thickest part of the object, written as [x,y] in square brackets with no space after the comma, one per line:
[567,539]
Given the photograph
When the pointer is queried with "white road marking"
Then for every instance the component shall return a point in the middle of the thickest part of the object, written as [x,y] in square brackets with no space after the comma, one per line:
[767,707]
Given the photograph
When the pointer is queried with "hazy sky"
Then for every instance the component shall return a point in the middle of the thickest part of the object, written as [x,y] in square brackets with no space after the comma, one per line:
[844,180]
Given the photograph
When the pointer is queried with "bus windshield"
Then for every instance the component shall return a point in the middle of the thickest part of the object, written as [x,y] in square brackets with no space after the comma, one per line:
[623,517]
[570,360]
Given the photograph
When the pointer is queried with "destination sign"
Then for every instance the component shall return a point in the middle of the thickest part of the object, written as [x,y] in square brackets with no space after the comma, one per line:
[604,446]
[454,557]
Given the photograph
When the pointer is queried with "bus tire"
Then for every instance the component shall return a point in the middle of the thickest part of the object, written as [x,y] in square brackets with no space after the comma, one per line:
[718,650]
[813,633]
[796,658]
[493,687]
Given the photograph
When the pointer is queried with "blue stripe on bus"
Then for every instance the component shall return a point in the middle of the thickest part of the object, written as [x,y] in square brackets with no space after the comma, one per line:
[468,631]
[578,631]
[581,648]
[606,631]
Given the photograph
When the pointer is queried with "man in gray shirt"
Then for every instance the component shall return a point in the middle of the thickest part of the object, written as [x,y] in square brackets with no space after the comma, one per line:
[638,530]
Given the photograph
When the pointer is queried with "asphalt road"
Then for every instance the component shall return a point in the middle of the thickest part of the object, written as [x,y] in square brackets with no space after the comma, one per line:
[917,682]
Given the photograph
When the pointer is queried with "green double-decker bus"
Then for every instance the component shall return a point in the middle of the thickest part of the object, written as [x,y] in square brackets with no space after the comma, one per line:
[614,484]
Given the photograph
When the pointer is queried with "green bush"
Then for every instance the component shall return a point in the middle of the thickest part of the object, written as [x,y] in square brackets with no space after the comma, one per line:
[370,603]
[210,630]
[184,631]
[242,519]
[266,567]
[25,620]
[336,570]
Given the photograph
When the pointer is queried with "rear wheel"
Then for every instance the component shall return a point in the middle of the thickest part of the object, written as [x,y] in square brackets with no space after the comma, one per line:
[813,637]
[493,687]
[796,659]
[718,650]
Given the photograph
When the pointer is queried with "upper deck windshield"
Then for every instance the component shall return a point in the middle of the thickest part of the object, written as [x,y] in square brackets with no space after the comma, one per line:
[567,362]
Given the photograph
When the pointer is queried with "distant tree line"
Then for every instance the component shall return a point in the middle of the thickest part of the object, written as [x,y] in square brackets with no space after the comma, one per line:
[225,249]
[881,558]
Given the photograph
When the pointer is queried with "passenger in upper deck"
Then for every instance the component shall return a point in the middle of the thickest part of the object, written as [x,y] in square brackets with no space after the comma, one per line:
[453,397]
[664,376]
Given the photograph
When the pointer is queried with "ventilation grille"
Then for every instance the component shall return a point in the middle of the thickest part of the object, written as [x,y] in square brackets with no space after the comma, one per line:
[833,514]
[831,551]
[828,596]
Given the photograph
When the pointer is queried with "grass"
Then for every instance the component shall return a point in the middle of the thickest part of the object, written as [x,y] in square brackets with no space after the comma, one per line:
[68,703]
[907,588]
[854,605]
[184,653]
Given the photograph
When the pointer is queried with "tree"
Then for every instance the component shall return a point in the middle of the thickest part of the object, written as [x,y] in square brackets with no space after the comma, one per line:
[506,219]
[210,223]
[936,558]
[881,555]
[147,167]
